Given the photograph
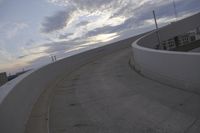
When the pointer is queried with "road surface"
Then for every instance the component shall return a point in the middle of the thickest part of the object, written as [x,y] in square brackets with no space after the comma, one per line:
[108,96]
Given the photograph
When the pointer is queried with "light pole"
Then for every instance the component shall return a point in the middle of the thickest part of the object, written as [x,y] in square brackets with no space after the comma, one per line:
[52,58]
[158,37]
[175,12]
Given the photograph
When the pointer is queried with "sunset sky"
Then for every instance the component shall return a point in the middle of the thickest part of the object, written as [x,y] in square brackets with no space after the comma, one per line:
[33,30]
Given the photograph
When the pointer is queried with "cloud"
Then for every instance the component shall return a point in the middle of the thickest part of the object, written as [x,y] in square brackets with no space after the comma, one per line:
[85,19]
[105,16]
[85,4]
[82,23]
[5,56]
[102,37]
[56,22]
[65,35]
[15,28]
[29,42]
[10,30]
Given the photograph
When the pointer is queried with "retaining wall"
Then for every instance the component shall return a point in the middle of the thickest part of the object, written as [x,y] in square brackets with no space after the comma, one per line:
[179,69]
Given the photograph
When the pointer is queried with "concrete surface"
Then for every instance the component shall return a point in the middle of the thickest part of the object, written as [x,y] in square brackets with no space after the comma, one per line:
[108,96]
[18,97]
[179,69]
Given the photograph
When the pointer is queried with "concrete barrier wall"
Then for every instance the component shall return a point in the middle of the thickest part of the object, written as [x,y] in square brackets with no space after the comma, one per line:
[179,69]
[18,97]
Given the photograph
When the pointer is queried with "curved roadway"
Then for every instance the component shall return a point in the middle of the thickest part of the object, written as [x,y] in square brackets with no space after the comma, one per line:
[107,96]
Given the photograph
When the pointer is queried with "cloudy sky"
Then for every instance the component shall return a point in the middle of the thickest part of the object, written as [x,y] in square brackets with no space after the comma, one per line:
[33,30]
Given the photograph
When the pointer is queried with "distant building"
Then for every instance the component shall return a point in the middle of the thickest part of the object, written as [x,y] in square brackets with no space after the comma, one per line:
[181,40]
[186,39]
[197,35]
[169,44]
[3,78]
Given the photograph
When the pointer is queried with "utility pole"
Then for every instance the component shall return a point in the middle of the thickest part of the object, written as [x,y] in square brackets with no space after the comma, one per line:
[158,37]
[52,58]
[175,12]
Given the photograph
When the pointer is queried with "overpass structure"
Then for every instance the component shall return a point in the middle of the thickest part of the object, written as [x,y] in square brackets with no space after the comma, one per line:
[111,89]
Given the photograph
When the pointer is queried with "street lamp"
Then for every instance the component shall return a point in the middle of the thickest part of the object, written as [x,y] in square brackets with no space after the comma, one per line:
[175,11]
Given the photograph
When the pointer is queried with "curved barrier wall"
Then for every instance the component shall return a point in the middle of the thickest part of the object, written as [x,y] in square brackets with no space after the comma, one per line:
[18,97]
[179,69]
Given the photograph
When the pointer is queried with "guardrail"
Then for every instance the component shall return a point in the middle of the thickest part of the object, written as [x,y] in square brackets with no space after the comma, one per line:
[179,69]
[18,97]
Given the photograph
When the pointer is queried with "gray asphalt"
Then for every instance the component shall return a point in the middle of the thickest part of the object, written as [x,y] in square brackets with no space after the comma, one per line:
[107,96]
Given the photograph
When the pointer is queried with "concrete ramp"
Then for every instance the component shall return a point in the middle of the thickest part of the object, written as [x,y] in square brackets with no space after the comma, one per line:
[108,96]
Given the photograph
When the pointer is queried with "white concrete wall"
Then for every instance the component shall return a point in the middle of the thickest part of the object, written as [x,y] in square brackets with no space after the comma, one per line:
[18,96]
[179,69]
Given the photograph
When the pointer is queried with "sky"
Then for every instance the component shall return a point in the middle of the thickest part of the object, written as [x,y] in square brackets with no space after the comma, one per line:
[31,31]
